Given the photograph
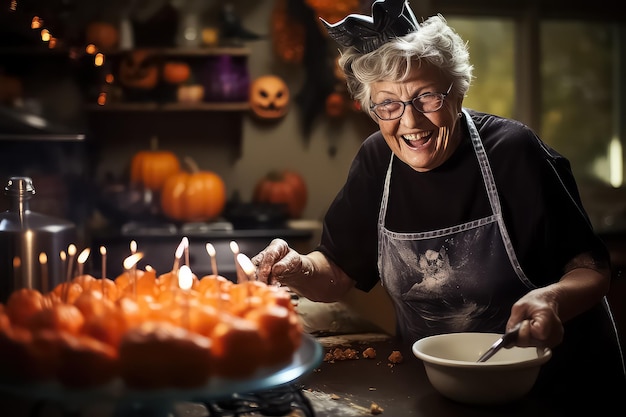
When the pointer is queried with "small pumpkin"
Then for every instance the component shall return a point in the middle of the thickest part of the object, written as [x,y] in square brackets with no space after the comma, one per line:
[150,168]
[269,97]
[176,72]
[286,188]
[190,93]
[139,69]
[335,105]
[193,196]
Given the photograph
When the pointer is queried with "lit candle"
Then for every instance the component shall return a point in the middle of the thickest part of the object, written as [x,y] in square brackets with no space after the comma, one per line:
[82,258]
[211,251]
[186,250]
[240,274]
[246,266]
[71,251]
[185,281]
[63,257]
[130,264]
[178,255]
[133,250]
[103,254]
[43,262]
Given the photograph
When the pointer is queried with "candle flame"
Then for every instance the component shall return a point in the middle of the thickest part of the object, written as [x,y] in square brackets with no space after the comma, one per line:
[246,265]
[43,258]
[103,250]
[133,247]
[71,249]
[132,260]
[234,247]
[210,249]
[180,249]
[185,278]
[82,258]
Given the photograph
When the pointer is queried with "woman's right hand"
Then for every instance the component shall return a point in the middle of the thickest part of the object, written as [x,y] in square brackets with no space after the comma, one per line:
[278,263]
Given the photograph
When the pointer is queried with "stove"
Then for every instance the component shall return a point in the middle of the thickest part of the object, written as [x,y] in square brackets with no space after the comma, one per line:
[287,400]
[281,401]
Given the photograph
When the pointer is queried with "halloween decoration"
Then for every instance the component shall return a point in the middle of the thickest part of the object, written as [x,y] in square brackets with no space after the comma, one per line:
[190,93]
[150,168]
[139,70]
[193,196]
[269,97]
[335,105]
[287,35]
[389,19]
[286,188]
[176,72]
[231,28]
[319,80]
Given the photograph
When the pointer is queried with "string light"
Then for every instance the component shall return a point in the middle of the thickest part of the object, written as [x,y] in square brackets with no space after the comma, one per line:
[36,23]
[74,53]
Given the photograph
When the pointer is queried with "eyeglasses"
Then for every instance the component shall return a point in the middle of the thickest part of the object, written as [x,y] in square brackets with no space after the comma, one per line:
[425,103]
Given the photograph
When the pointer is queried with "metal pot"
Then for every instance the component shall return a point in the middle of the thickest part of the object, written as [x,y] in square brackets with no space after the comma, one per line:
[24,237]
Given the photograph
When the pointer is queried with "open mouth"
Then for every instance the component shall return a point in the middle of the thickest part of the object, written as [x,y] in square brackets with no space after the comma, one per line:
[416,141]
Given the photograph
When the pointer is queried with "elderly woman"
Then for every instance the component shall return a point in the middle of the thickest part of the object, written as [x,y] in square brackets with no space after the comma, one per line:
[468,220]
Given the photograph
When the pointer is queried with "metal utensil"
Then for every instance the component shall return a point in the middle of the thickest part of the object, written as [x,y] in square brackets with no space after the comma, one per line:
[505,341]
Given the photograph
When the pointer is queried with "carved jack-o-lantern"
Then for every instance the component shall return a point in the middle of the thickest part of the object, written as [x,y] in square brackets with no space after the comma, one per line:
[139,69]
[269,97]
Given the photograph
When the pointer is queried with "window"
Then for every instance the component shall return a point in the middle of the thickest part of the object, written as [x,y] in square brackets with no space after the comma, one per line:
[578,92]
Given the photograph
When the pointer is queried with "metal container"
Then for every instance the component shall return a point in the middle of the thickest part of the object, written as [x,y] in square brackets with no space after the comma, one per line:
[30,243]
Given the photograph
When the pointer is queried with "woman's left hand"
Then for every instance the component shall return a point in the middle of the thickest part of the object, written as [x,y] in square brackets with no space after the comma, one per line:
[540,322]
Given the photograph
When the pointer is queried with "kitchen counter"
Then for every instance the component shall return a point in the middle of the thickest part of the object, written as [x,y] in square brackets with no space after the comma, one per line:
[348,388]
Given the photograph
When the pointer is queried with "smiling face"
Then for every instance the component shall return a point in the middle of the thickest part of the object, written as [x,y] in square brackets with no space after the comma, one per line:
[424,141]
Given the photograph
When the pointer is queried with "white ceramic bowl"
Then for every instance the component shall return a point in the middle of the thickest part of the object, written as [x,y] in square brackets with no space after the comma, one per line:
[451,367]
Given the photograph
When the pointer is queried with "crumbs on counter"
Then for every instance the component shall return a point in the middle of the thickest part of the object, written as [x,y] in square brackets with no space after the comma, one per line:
[369,353]
[339,354]
[395,357]
[342,354]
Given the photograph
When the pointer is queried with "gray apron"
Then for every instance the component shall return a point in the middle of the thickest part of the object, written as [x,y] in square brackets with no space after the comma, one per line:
[462,278]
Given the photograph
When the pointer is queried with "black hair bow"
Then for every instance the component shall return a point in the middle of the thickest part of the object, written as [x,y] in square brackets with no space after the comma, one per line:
[390,19]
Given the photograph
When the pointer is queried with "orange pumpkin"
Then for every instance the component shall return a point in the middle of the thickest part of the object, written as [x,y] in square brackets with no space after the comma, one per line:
[176,72]
[335,105]
[286,188]
[193,196]
[139,69]
[151,168]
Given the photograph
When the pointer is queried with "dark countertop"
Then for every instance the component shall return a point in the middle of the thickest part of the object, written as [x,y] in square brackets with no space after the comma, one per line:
[349,387]
[401,390]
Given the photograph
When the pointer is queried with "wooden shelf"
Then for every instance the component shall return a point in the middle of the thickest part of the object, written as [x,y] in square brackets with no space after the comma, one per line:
[171,107]
[182,52]
[191,52]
